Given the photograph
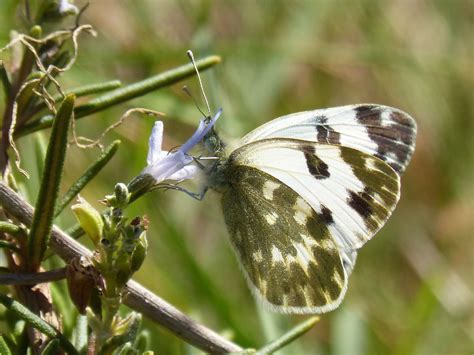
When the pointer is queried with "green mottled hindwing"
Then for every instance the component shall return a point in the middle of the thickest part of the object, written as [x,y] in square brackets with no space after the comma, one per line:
[285,248]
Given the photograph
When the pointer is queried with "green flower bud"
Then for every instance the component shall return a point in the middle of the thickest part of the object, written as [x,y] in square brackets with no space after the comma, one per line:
[121,195]
[122,269]
[139,253]
[89,219]
[140,185]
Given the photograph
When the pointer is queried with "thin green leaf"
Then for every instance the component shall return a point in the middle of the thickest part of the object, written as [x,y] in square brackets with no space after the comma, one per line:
[8,227]
[126,93]
[5,82]
[36,322]
[128,336]
[91,89]
[90,173]
[40,148]
[79,333]
[287,338]
[4,348]
[50,183]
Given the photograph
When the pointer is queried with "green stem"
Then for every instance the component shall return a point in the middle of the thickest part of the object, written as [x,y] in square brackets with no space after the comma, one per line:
[36,322]
[287,338]
[50,183]
[90,173]
[126,93]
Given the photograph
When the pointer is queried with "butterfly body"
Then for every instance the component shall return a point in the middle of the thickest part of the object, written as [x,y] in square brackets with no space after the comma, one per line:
[302,193]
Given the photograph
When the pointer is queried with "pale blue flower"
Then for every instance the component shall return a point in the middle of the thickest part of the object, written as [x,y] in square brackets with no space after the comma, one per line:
[177,164]
[66,8]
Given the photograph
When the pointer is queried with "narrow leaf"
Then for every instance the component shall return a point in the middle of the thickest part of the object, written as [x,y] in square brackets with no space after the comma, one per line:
[50,183]
[126,93]
[91,89]
[8,227]
[36,322]
[90,173]
[4,349]
[287,338]
[79,332]
[5,82]
[129,335]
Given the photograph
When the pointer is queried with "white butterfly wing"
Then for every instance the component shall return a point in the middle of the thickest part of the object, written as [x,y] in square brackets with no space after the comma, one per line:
[377,130]
[355,191]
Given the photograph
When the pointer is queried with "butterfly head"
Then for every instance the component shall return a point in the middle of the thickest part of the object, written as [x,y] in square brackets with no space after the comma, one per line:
[213,143]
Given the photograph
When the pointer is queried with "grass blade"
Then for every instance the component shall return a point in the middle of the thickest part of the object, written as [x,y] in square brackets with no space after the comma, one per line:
[5,81]
[287,338]
[49,189]
[4,349]
[36,322]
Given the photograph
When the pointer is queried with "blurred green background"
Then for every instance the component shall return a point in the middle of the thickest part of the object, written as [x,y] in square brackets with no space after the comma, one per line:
[412,288]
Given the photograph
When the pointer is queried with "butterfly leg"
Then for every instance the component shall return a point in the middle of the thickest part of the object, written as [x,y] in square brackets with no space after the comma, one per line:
[196,195]
[201,166]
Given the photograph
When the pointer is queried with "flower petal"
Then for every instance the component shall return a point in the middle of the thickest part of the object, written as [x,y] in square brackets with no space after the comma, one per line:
[200,133]
[169,165]
[154,144]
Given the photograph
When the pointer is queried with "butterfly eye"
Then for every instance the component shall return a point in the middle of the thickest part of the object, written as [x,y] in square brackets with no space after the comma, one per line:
[211,143]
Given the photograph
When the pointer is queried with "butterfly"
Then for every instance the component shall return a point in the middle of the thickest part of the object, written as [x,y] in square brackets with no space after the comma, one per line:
[302,193]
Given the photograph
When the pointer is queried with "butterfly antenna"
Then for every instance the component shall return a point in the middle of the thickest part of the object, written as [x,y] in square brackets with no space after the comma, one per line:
[196,104]
[191,58]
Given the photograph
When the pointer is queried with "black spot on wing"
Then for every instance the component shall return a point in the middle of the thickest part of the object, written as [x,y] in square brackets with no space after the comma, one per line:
[325,133]
[326,215]
[359,201]
[318,168]
[396,137]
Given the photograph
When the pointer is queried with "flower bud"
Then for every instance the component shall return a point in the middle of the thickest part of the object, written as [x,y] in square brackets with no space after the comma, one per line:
[139,253]
[121,195]
[89,219]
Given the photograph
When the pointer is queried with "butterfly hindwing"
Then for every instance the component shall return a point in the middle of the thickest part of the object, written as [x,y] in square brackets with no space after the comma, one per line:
[302,193]
[384,132]
[355,192]
[286,250]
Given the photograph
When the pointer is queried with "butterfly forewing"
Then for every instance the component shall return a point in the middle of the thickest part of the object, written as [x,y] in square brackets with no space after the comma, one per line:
[355,192]
[285,247]
[377,130]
